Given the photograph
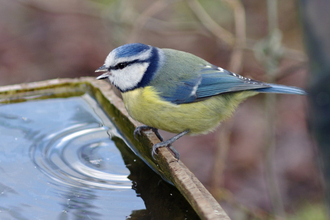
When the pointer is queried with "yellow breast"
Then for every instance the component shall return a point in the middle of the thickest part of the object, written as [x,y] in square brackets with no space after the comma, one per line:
[147,107]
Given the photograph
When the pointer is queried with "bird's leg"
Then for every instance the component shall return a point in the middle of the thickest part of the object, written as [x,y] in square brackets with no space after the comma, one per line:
[144,128]
[168,144]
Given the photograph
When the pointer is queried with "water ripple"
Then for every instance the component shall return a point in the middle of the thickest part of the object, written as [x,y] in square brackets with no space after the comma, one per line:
[82,156]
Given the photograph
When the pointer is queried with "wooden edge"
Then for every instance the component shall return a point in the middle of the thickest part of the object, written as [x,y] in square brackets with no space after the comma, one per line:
[38,85]
[191,188]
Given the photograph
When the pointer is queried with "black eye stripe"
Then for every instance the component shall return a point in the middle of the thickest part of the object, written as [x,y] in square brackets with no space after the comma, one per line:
[122,65]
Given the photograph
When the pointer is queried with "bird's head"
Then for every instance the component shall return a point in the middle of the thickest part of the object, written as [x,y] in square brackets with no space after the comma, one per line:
[131,66]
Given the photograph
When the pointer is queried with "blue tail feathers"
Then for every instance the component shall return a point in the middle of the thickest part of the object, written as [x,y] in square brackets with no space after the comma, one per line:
[281,89]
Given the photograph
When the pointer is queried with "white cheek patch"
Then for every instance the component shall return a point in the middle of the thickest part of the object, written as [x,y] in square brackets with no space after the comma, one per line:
[128,77]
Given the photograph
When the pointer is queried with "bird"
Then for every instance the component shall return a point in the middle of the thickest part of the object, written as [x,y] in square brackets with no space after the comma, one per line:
[176,91]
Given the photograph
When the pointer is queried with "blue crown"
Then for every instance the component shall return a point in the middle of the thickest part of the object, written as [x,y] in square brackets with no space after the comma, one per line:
[128,50]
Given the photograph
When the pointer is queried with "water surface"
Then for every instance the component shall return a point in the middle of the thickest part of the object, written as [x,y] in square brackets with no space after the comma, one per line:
[63,159]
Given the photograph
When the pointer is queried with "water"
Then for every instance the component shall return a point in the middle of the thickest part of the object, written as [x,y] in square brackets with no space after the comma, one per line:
[63,159]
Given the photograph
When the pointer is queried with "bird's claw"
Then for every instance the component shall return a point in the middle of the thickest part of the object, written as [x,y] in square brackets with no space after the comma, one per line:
[154,151]
[174,151]
[164,144]
[144,128]
[138,130]
[167,143]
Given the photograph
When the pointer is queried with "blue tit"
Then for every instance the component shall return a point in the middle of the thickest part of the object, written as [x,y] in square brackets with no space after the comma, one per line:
[177,91]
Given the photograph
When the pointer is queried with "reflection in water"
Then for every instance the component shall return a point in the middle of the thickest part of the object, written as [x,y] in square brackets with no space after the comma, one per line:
[79,203]
[58,162]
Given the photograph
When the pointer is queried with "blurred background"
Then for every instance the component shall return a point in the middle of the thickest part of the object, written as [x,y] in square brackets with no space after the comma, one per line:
[262,163]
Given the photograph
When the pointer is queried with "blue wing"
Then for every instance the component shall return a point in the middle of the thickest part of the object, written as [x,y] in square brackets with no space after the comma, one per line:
[213,80]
